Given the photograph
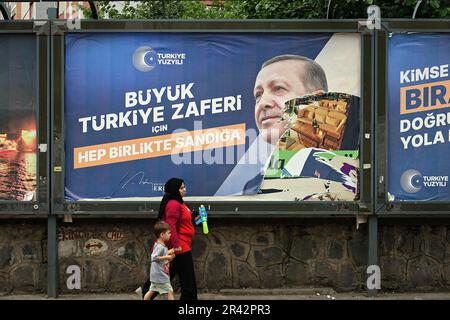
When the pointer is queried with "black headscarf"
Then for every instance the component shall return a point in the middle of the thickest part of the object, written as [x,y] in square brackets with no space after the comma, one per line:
[172,192]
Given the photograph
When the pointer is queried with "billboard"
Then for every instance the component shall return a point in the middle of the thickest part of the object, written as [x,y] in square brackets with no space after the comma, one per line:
[18,103]
[418,117]
[215,109]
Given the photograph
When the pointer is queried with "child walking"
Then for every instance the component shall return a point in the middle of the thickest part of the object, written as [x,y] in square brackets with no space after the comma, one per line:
[161,257]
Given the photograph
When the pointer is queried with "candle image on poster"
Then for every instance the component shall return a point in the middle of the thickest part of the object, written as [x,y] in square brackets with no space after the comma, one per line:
[419,117]
[208,107]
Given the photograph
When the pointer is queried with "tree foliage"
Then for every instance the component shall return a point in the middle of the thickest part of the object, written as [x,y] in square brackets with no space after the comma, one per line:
[269,9]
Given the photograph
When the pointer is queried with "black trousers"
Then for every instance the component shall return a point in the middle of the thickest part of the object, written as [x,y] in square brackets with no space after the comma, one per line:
[183,266]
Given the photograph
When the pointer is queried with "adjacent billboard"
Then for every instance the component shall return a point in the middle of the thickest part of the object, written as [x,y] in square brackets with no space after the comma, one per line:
[419,117]
[18,103]
[238,116]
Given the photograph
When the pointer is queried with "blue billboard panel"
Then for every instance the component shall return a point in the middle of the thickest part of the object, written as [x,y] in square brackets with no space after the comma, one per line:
[419,117]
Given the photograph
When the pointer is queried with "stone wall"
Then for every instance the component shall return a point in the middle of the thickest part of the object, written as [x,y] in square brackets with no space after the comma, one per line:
[240,254]
[113,255]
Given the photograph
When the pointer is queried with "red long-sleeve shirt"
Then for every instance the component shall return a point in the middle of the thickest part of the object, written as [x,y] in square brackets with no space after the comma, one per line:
[179,217]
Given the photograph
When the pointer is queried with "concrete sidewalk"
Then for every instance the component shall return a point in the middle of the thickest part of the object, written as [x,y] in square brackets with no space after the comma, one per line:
[254,294]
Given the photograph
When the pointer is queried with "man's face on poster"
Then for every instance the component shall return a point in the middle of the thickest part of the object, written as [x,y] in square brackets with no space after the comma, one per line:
[275,84]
